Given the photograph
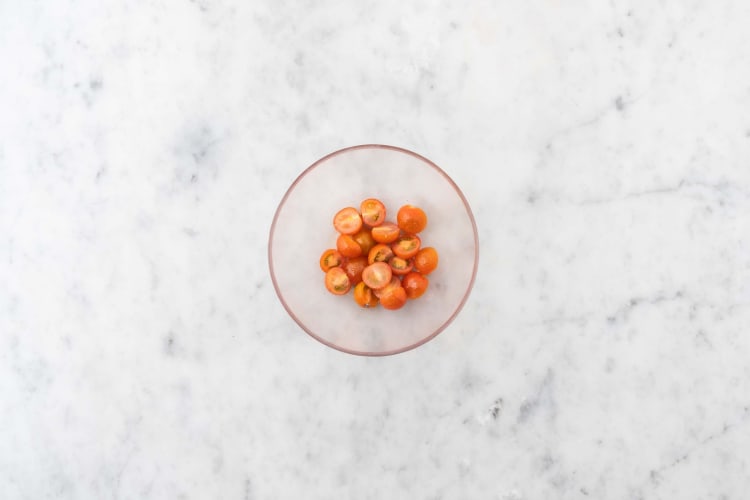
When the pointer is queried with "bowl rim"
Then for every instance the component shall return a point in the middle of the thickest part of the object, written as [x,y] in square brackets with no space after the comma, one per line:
[460,305]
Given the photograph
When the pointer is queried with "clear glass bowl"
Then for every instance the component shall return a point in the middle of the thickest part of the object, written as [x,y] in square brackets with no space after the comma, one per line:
[303,228]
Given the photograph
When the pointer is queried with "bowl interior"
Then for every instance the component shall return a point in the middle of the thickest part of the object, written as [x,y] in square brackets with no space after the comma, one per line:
[303,229]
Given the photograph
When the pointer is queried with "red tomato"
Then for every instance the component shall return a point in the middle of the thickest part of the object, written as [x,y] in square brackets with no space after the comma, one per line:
[415,285]
[347,246]
[380,253]
[354,267]
[426,260]
[364,240]
[347,221]
[373,212]
[393,299]
[406,247]
[330,258]
[400,266]
[363,295]
[411,219]
[377,275]
[337,282]
[387,232]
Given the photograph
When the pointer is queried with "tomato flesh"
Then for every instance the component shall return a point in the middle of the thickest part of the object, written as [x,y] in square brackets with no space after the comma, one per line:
[400,266]
[377,275]
[347,221]
[380,253]
[330,258]
[363,295]
[387,232]
[406,247]
[337,282]
[373,212]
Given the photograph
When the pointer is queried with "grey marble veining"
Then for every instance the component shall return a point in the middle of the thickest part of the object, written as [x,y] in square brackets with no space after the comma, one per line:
[603,146]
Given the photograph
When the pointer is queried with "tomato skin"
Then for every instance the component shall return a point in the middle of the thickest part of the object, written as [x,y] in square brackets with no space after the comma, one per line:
[347,221]
[365,240]
[380,253]
[426,260]
[394,298]
[400,266]
[406,247]
[347,247]
[373,212]
[337,282]
[377,275]
[387,232]
[354,267]
[415,285]
[330,258]
[394,283]
[363,296]
[411,219]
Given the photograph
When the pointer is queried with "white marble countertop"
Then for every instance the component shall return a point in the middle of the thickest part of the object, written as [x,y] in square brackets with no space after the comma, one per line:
[604,148]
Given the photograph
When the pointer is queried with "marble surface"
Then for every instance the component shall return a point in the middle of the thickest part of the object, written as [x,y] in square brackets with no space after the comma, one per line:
[604,147]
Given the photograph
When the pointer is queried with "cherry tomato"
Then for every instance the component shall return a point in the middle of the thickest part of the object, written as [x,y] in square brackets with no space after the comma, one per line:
[364,240]
[330,258]
[363,295]
[387,232]
[426,260]
[415,285]
[376,275]
[406,247]
[394,283]
[400,266]
[354,267]
[393,299]
[337,282]
[347,220]
[380,253]
[411,219]
[347,246]
[373,212]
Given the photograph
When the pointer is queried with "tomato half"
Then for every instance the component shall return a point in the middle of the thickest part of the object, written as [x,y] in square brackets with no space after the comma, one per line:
[387,232]
[377,275]
[415,285]
[394,283]
[337,282]
[347,246]
[373,212]
[411,219]
[354,267]
[426,260]
[380,253]
[400,266]
[347,220]
[330,258]
[406,247]
[393,299]
[364,240]
[363,295]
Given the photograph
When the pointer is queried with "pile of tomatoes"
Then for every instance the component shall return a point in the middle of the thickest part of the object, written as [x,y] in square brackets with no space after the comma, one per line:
[384,262]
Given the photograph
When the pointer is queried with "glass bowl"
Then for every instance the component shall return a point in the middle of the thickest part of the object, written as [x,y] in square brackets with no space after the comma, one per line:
[303,228]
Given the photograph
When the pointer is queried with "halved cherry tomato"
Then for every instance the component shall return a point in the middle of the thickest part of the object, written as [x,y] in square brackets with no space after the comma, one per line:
[387,232]
[347,246]
[415,285]
[363,295]
[354,267]
[347,220]
[394,283]
[394,299]
[330,258]
[406,247]
[411,219]
[364,240]
[380,253]
[400,266]
[426,260]
[377,275]
[373,212]
[337,282]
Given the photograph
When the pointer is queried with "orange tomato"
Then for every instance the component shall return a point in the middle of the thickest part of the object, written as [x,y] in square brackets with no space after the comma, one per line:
[394,283]
[377,275]
[373,212]
[337,282]
[330,258]
[415,285]
[400,266]
[364,240]
[347,220]
[354,267]
[393,299]
[411,219]
[380,253]
[426,260]
[363,295]
[347,246]
[387,232]
[406,247]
